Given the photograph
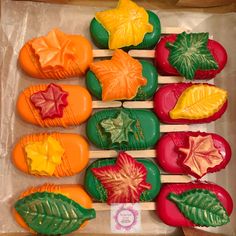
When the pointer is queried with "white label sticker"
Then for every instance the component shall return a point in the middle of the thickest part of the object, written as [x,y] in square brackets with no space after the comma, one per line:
[125,218]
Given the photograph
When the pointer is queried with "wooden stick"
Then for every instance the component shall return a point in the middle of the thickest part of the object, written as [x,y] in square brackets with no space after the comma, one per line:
[111,153]
[174,30]
[145,206]
[100,104]
[102,53]
[148,206]
[175,178]
[142,53]
[173,128]
[170,79]
[139,104]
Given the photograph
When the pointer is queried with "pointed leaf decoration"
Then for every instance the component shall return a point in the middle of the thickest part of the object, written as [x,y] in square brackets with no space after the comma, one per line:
[127,24]
[190,53]
[201,155]
[53,50]
[120,77]
[118,128]
[44,156]
[50,102]
[52,214]
[199,102]
[125,181]
[201,206]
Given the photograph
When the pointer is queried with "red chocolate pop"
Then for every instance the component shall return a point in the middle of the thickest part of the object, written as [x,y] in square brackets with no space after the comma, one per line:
[194,153]
[193,56]
[194,204]
[186,103]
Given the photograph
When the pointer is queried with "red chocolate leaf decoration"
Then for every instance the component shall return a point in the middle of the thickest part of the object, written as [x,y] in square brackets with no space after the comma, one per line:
[125,181]
[201,155]
[50,102]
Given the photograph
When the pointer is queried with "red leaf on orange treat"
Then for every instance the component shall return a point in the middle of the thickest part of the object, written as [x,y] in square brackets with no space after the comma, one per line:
[50,102]
[201,154]
[124,181]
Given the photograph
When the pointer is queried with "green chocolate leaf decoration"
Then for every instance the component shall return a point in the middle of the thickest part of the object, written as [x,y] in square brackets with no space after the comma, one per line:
[51,214]
[201,206]
[118,127]
[189,53]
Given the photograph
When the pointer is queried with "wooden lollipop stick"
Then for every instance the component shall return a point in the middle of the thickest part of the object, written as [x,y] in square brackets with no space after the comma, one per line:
[139,104]
[100,104]
[174,30]
[165,30]
[148,206]
[111,153]
[145,206]
[173,128]
[142,53]
[175,178]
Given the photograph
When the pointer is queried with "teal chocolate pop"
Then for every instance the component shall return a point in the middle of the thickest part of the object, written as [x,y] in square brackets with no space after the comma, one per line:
[101,36]
[123,129]
[124,179]
[144,92]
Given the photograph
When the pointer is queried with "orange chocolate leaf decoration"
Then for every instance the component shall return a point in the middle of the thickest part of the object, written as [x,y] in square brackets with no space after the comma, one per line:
[201,155]
[54,50]
[120,77]
[50,102]
[125,181]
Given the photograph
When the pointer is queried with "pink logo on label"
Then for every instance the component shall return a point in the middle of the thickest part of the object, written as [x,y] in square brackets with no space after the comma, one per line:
[126,217]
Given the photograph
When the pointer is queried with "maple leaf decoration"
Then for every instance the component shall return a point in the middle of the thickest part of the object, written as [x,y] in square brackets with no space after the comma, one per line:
[44,156]
[201,155]
[127,24]
[125,181]
[120,77]
[118,127]
[50,102]
[53,50]
[189,53]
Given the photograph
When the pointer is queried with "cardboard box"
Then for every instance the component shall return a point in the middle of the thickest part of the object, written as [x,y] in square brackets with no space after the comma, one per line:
[24,20]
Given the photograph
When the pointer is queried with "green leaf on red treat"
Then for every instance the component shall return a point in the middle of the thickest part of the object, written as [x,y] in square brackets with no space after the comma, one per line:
[201,154]
[201,206]
[189,53]
[50,102]
[125,181]
[52,214]
[118,127]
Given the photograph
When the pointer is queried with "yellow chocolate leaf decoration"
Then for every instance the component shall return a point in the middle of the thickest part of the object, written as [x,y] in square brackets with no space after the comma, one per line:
[127,24]
[199,102]
[201,154]
[44,156]
[55,49]
[120,77]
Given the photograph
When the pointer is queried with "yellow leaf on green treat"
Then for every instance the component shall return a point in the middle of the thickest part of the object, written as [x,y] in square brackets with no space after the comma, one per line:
[44,156]
[199,102]
[127,24]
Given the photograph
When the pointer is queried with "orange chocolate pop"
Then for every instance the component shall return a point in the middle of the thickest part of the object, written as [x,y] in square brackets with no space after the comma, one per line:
[49,209]
[51,154]
[50,105]
[56,56]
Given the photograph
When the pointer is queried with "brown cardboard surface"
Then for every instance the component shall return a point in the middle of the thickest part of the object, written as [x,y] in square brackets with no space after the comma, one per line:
[24,20]
[216,6]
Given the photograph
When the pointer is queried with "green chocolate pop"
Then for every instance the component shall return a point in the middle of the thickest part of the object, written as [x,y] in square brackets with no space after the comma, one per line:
[100,35]
[123,129]
[144,92]
[124,179]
